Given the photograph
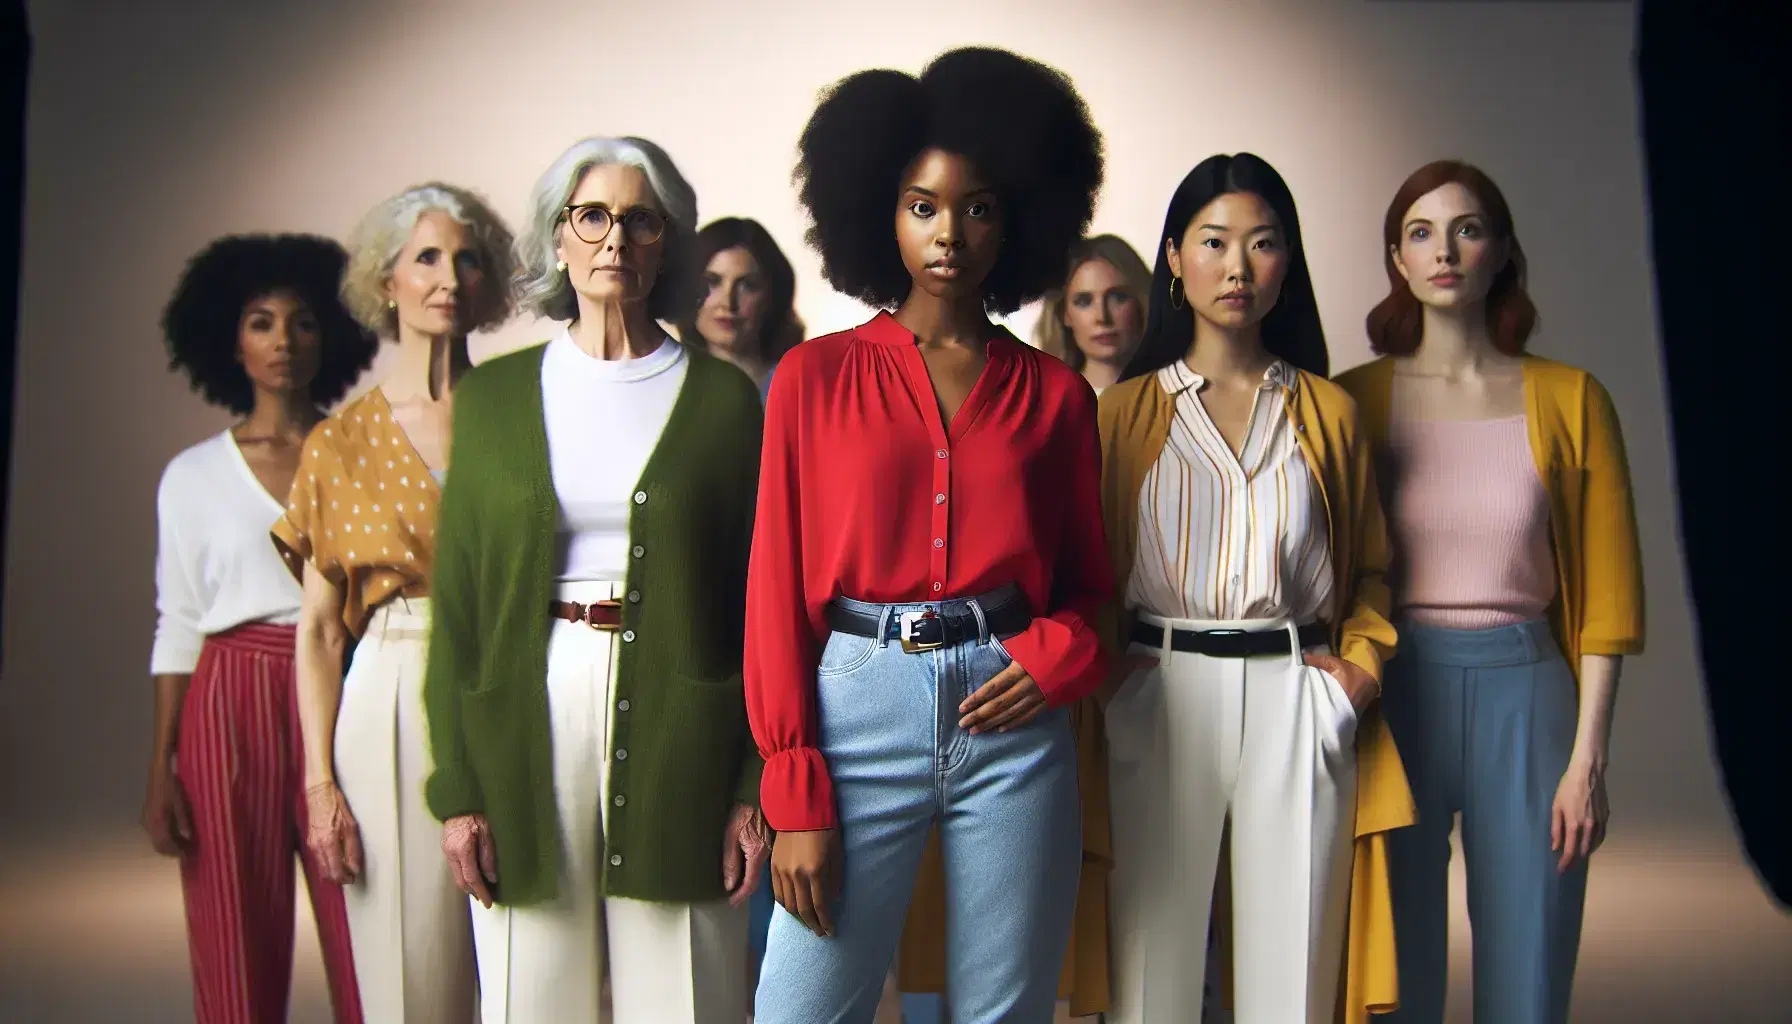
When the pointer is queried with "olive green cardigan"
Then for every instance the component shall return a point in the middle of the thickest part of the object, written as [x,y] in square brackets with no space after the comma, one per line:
[691,758]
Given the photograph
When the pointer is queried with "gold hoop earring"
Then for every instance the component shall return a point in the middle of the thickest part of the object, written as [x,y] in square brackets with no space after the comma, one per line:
[392,304]
[560,267]
[1176,296]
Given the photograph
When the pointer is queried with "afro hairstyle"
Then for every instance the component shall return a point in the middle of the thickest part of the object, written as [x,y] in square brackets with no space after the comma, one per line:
[1019,122]
[202,322]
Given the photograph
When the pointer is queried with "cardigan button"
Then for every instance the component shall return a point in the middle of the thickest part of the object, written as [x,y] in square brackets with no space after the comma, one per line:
[628,636]
[639,551]
[615,860]
[621,753]
[620,799]
[623,704]
[634,597]
[640,497]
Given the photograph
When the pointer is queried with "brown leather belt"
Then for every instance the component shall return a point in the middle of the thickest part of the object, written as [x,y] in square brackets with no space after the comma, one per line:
[604,615]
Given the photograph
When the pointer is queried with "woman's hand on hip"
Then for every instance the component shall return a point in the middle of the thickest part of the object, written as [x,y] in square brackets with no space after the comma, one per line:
[1009,700]
[806,874]
[472,855]
[332,833]
[746,844]
[1577,819]
[1358,684]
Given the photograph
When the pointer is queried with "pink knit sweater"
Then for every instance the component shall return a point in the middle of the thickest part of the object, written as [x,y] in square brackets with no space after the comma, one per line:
[1470,523]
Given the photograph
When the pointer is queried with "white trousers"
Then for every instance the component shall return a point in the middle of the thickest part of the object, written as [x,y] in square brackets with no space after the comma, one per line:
[407,920]
[667,963]
[1269,743]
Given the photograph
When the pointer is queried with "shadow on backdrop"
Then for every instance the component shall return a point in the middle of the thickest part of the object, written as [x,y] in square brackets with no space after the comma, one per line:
[15,57]
[1703,76]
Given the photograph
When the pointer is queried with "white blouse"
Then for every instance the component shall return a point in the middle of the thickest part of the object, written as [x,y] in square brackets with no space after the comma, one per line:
[604,417]
[1225,535]
[216,567]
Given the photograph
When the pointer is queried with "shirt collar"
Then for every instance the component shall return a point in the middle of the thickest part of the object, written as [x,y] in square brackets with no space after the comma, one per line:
[1177,377]
[883,329]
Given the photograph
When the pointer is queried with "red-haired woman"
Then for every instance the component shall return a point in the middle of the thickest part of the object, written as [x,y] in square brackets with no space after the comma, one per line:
[1518,590]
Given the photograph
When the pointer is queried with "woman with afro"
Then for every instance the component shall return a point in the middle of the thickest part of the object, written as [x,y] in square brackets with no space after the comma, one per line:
[928,556]
[256,326]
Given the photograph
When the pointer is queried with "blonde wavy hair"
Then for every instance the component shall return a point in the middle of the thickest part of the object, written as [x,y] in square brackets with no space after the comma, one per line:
[1050,334]
[374,245]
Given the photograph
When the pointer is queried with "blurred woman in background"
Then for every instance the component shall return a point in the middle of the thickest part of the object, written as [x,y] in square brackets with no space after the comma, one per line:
[256,325]
[748,313]
[1095,321]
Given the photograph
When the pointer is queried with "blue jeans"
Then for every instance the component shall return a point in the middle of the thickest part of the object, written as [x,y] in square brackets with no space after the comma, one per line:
[1010,830]
[917,1007]
[1485,721]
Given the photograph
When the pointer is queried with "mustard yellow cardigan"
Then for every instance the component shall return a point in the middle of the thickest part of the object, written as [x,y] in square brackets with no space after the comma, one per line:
[1135,418]
[1578,449]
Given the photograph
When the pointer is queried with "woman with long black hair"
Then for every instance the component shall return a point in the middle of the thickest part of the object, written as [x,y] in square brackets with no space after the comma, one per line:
[1248,552]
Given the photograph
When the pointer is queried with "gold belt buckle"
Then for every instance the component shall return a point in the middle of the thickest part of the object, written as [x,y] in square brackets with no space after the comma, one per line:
[909,644]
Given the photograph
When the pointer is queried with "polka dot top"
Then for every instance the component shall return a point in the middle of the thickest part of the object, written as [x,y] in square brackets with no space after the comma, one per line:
[362,510]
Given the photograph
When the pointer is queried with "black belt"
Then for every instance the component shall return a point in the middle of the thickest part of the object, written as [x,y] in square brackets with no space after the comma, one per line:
[1230,643]
[942,625]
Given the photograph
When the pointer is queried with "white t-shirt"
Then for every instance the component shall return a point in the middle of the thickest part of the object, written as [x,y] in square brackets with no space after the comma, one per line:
[216,567]
[604,418]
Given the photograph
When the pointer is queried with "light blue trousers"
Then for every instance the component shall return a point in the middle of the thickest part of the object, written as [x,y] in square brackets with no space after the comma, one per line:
[1010,831]
[1485,721]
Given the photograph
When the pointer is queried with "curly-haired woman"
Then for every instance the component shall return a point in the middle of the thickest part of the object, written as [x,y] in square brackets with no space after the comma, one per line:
[427,267]
[928,552]
[256,326]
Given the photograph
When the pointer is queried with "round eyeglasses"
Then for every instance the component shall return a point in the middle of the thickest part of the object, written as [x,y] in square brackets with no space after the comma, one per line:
[592,223]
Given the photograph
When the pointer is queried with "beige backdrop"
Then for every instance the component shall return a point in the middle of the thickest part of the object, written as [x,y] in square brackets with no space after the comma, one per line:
[155,127]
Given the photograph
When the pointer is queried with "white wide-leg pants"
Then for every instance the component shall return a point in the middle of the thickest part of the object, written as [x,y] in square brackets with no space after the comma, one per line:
[407,920]
[667,963]
[1269,743]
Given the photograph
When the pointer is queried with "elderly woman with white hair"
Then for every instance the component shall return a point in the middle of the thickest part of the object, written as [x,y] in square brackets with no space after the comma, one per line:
[426,268]
[593,771]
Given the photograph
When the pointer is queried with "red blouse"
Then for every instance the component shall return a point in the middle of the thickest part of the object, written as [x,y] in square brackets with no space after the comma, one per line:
[863,493]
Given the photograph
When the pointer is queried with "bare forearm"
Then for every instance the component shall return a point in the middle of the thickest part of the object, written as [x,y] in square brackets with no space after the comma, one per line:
[318,656]
[1598,696]
[171,693]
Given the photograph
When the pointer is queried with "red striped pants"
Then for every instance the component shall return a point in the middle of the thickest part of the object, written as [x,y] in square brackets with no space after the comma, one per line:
[241,764]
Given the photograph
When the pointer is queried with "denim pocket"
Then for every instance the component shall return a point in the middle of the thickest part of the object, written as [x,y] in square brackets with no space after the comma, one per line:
[844,653]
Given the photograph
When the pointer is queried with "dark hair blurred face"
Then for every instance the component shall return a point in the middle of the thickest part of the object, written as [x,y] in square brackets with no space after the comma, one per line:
[948,225]
[734,300]
[1447,252]
[1105,319]
[1232,260]
[279,342]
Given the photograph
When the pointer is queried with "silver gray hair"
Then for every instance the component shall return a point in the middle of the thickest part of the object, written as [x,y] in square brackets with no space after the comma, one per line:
[544,290]
[376,241]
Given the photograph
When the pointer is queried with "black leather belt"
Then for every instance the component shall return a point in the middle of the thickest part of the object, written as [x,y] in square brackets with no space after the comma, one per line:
[1230,643]
[940,625]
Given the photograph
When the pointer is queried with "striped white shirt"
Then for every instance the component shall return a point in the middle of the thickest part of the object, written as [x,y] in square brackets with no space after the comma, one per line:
[1229,535]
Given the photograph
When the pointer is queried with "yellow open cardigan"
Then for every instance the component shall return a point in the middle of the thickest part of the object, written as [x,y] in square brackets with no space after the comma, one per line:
[1135,418]
[1579,452]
